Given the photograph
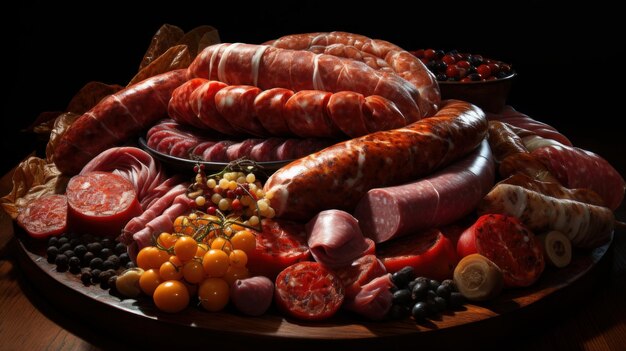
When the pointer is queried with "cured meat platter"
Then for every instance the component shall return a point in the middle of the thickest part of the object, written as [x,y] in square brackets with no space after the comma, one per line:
[92,304]
[316,188]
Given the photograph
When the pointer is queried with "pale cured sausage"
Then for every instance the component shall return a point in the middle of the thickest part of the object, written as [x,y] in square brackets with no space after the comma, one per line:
[114,119]
[338,176]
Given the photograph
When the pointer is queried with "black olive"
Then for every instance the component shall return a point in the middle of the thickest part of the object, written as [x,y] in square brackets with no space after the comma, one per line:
[402,297]
[419,291]
[53,241]
[444,291]
[94,247]
[402,277]
[96,263]
[105,253]
[456,300]
[120,248]
[80,251]
[420,311]
[85,277]
[399,311]
[440,304]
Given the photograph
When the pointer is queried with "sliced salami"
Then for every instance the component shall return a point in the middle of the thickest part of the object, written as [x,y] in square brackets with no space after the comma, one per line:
[578,168]
[100,203]
[279,245]
[44,217]
[307,290]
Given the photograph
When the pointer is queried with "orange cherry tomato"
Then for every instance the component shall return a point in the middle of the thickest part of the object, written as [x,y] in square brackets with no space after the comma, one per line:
[171,296]
[149,281]
[213,294]
[185,248]
[215,263]
[150,257]
[244,240]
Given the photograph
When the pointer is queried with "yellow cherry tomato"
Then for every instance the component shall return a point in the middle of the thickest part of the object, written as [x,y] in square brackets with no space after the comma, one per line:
[193,271]
[149,281]
[169,271]
[213,294]
[171,296]
[234,273]
[202,249]
[166,240]
[150,257]
[244,240]
[220,243]
[215,263]
[185,248]
[238,258]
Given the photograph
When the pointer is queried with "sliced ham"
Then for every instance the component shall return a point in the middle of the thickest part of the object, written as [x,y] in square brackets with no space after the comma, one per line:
[133,164]
[373,300]
[335,239]
[360,272]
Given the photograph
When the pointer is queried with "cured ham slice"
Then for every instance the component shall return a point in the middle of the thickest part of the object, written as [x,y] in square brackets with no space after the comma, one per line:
[359,273]
[335,239]
[373,300]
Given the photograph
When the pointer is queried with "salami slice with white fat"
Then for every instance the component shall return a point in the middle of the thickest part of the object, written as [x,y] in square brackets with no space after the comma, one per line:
[44,217]
[307,290]
[100,203]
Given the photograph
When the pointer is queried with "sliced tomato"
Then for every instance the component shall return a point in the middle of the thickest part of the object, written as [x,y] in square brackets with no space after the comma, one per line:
[307,290]
[278,246]
[510,245]
[44,217]
[430,253]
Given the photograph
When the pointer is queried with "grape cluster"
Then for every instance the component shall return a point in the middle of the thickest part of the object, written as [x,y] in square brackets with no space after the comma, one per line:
[422,297]
[97,259]
[232,192]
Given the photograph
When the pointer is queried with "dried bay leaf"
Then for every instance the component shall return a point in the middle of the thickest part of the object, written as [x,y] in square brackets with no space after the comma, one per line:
[193,37]
[174,58]
[61,124]
[166,37]
[32,179]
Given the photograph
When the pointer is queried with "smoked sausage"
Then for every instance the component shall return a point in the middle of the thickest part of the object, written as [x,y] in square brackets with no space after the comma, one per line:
[114,119]
[268,67]
[378,54]
[338,176]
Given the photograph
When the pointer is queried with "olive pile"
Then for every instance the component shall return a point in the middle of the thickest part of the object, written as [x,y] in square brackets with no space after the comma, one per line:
[97,259]
[422,297]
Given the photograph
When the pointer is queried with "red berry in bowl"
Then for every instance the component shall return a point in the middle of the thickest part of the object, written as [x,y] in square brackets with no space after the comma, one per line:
[484,71]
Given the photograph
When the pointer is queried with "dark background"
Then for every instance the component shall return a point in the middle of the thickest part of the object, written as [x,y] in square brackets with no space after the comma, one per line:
[567,58]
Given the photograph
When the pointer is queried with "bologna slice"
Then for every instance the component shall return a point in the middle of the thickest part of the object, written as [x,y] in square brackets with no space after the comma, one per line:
[100,203]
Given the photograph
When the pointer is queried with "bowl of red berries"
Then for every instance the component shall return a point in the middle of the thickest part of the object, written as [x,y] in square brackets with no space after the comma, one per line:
[482,81]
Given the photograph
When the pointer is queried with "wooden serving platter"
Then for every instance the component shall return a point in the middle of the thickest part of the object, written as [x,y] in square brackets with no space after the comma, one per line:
[139,320]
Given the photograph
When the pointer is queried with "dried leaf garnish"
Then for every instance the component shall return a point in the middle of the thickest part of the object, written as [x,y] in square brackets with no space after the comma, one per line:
[89,95]
[193,37]
[61,124]
[33,178]
[166,37]
[174,58]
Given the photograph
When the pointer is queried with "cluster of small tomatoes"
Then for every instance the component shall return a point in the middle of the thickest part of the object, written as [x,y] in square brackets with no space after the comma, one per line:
[202,258]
